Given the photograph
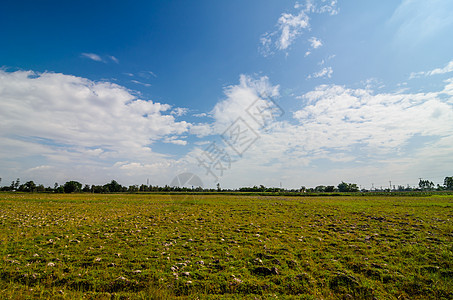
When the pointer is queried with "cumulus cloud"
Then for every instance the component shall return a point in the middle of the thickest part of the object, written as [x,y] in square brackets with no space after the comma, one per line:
[179,111]
[174,140]
[291,25]
[64,119]
[339,117]
[338,132]
[65,127]
[240,97]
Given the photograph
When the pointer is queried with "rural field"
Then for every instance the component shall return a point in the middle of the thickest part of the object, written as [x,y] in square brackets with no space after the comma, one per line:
[148,246]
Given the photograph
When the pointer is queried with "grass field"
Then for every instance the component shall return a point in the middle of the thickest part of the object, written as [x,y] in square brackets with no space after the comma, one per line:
[225,246]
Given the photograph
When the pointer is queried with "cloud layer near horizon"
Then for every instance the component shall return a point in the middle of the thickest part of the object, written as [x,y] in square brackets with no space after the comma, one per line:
[67,127]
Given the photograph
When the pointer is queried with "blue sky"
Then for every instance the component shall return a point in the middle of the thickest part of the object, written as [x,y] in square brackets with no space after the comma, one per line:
[359,91]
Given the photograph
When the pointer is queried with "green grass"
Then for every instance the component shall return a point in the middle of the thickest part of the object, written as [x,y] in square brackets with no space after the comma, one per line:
[225,246]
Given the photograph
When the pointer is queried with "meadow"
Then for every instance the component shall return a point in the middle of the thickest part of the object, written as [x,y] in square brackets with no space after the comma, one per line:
[149,246]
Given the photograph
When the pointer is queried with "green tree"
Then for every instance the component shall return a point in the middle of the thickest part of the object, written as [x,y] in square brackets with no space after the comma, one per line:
[133,189]
[330,189]
[72,187]
[348,187]
[30,186]
[15,185]
[113,187]
[448,183]
[320,189]
[425,185]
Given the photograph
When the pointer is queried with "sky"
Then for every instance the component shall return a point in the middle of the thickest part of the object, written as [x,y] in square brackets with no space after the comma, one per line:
[240,93]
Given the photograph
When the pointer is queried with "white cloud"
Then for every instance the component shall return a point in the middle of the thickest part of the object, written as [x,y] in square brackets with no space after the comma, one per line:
[114,59]
[315,42]
[179,111]
[340,117]
[319,6]
[291,25]
[67,120]
[146,74]
[239,98]
[175,140]
[324,72]
[92,56]
[201,129]
[141,83]
[339,134]
[58,127]
[447,69]
[98,58]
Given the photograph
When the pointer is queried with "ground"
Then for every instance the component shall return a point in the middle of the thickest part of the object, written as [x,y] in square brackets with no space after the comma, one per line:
[150,246]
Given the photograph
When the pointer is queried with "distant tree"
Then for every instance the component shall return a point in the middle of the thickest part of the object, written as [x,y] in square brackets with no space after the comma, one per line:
[86,188]
[30,186]
[218,187]
[72,187]
[320,189]
[440,187]
[97,189]
[348,187]
[113,187]
[448,183]
[59,189]
[133,189]
[303,189]
[343,187]
[330,189]
[425,185]
[144,188]
[15,184]
[40,188]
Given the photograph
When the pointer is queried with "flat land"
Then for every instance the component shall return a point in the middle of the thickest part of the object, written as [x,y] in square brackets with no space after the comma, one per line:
[222,246]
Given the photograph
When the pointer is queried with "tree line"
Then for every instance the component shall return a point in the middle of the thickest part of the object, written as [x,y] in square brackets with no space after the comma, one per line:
[115,187]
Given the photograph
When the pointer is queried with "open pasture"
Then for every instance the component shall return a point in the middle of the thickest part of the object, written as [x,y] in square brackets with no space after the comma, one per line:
[221,246]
